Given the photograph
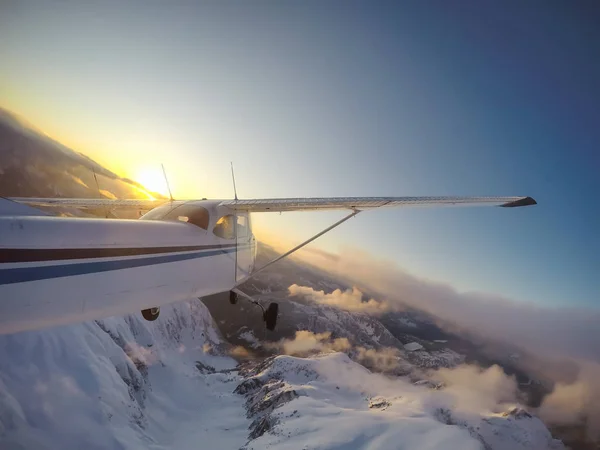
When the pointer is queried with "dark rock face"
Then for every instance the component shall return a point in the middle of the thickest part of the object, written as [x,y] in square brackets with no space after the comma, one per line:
[253,368]
[267,402]
[260,406]
[262,396]
[248,386]
[204,368]
[517,413]
[379,403]
[260,426]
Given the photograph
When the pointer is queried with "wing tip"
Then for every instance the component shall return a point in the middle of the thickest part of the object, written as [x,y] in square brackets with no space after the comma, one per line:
[525,201]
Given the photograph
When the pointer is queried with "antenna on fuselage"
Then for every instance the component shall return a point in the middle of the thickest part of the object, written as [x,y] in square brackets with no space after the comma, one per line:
[233,178]
[99,193]
[167,181]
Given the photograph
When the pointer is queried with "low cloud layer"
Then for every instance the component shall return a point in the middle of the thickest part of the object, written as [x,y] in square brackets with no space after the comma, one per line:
[305,343]
[384,360]
[563,342]
[577,402]
[349,300]
[479,389]
[553,331]
[467,388]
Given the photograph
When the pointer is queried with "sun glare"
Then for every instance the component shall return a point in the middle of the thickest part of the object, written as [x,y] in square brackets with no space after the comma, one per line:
[153,180]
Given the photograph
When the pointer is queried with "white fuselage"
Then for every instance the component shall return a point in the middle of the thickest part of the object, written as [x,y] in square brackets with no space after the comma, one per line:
[58,270]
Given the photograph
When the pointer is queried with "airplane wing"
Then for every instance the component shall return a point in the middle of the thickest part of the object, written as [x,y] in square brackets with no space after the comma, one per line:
[89,203]
[288,204]
[363,203]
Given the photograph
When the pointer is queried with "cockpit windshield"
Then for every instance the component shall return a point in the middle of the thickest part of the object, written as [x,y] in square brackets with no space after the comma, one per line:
[194,214]
[159,212]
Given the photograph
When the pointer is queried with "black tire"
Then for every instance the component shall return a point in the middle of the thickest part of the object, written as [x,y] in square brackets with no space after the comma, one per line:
[233,297]
[151,314]
[271,316]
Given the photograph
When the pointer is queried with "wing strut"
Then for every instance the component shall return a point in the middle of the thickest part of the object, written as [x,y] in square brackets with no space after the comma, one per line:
[167,182]
[298,247]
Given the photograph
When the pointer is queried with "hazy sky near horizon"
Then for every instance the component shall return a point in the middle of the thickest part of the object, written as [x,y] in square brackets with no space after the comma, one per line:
[344,98]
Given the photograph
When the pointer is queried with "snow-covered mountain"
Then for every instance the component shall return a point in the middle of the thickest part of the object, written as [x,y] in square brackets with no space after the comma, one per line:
[123,383]
[331,402]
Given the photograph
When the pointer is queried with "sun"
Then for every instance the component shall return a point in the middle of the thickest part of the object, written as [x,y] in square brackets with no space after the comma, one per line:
[153,180]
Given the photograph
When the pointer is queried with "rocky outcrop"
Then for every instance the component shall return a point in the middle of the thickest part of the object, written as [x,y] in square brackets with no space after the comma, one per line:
[265,390]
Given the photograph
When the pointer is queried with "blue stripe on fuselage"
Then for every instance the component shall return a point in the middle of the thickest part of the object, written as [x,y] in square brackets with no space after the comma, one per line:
[23,274]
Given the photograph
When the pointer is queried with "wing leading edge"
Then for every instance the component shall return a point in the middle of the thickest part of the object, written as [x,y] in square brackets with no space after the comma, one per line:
[363,203]
[90,203]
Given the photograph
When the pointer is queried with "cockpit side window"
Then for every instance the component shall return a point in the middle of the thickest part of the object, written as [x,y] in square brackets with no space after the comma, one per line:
[242,226]
[196,215]
[225,227]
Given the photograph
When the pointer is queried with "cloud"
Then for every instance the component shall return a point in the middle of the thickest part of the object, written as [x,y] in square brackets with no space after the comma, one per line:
[322,253]
[561,343]
[306,342]
[78,180]
[239,352]
[384,360]
[466,388]
[108,194]
[139,354]
[464,392]
[552,331]
[476,389]
[576,403]
[350,300]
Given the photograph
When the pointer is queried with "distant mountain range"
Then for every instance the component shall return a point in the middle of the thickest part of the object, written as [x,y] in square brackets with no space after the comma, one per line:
[35,165]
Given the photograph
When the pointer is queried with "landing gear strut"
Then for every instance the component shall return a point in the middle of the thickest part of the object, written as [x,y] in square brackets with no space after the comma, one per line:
[269,314]
[151,314]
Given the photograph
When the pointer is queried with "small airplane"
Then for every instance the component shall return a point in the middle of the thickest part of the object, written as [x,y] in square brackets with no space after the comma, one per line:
[61,270]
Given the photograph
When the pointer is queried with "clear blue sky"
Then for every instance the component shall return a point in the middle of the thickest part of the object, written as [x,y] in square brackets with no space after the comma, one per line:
[344,98]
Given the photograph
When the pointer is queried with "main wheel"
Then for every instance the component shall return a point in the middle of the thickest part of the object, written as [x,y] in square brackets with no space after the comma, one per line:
[233,297]
[151,314]
[270,316]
